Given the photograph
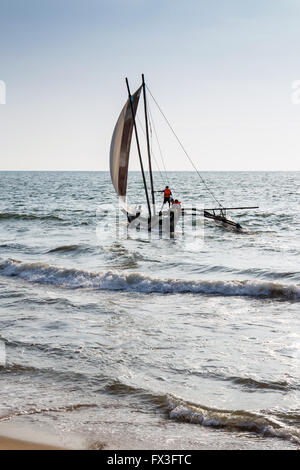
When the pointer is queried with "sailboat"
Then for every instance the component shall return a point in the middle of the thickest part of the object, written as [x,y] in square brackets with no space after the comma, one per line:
[161,221]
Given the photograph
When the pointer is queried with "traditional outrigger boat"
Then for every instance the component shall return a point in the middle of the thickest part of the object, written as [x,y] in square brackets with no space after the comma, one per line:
[164,221]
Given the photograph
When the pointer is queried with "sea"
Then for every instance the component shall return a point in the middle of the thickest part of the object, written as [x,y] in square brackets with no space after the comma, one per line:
[131,341]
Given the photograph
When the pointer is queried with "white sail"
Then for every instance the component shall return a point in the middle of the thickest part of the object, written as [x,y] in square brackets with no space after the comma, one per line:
[120,148]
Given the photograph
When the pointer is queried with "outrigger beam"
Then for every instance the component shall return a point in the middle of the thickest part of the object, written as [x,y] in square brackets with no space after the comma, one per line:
[221,209]
[231,208]
[221,217]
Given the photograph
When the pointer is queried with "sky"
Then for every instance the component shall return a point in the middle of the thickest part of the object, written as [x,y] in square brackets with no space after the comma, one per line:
[221,70]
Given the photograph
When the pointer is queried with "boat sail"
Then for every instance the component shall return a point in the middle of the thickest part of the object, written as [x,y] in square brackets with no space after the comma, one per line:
[120,148]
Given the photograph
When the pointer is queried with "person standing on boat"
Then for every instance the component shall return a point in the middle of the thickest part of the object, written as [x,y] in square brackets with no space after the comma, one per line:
[167,195]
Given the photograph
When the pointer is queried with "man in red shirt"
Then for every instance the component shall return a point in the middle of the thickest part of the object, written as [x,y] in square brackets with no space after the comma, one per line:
[167,195]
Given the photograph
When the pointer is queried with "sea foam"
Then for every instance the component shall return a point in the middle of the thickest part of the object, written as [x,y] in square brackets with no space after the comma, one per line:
[136,282]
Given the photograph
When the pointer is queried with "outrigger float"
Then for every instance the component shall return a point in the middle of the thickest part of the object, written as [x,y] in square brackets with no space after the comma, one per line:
[164,221]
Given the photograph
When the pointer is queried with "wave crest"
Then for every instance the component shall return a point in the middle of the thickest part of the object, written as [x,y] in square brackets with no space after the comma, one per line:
[231,420]
[136,282]
[177,409]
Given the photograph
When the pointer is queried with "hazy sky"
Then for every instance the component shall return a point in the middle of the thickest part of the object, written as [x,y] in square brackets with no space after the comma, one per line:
[222,71]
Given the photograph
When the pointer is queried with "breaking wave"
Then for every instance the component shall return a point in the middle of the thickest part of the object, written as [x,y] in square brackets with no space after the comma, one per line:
[261,423]
[240,420]
[135,282]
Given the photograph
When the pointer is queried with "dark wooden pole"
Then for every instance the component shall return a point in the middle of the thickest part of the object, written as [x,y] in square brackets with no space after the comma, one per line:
[148,143]
[160,224]
[231,208]
[194,218]
[138,147]
[172,224]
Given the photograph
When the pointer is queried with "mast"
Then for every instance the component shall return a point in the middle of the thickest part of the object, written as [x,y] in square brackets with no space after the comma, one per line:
[148,144]
[138,147]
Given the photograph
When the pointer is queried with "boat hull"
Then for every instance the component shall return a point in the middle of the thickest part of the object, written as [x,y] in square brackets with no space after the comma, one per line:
[163,223]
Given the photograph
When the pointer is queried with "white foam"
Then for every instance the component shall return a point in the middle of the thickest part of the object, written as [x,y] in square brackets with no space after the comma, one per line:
[136,282]
[241,420]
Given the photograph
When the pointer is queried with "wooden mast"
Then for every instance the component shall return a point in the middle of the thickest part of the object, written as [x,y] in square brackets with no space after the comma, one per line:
[148,144]
[138,147]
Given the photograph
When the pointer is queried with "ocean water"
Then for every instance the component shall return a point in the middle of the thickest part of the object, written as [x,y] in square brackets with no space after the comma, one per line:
[146,343]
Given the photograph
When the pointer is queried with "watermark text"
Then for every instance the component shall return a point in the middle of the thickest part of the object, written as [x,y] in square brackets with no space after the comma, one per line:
[295,95]
[2,92]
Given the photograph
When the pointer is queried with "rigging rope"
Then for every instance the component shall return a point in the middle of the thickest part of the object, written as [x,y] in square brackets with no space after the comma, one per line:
[167,178]
[160,173]
[158,144]
[164,177]
[189,158]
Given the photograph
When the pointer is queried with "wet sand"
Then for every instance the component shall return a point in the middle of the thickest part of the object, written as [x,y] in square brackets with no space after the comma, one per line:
[8,443]
[22,437]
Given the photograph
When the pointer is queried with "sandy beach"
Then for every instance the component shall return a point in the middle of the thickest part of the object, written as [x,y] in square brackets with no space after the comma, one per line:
[7,443]
[20,437]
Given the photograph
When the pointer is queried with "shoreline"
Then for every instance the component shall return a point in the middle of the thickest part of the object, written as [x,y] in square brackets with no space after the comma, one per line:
[9,443]
[15,436]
